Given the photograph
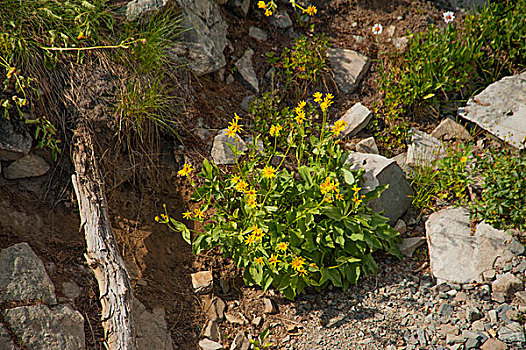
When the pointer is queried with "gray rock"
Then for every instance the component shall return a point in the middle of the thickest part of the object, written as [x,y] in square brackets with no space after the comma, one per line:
[40,327]
[501,110]
[424,149]
[506,285]
[270,306]
[215,310]
[400,159]
[472,343]
[28,166]
[521,297]
[422,338]
[229,79]
[245,104]
[489,275]
[446,309]
[349,67]
[240,342]
[204,40]
[202,282]
[367,145]
[5,340]
[246,71]
[14,140]
[71,290]
[212,331]
[512,332]
[473,314]
[207,344]
[493,344]
[396,199]
[141,8]
[23,277]
[258,34]
[492,314]
[401,43]
[221,152]
[238,319]
[409,245]
[281,20]
[239,7]
[457,255]
[449,129]
[357,117]
[151,327]
[400,226]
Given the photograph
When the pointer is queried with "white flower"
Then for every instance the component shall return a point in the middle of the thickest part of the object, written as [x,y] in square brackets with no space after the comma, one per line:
[448,16]
[377,29]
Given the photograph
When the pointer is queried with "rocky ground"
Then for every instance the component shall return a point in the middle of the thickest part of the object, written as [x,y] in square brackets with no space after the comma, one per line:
[461,291]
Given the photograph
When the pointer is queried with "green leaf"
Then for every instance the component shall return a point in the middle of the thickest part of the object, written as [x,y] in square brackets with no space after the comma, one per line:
[207,170]
[348,177]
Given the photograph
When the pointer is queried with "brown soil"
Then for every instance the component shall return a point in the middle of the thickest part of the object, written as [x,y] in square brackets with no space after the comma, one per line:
[43,212]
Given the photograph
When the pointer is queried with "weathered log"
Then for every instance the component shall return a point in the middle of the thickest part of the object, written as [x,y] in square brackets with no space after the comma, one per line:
[102,252]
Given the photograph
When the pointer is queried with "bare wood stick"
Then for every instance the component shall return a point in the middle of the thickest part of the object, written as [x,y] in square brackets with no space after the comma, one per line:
[102,253]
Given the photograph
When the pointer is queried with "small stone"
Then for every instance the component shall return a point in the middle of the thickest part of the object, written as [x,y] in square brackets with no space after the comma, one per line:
[240,342]
[478,326]
[207,344]
[506,285]
[520,268]
[489,275]
[229,79]
[270,306]
[460,297]
[246,71]
[493,344]
[451,293]
[221,152]
[245,104]
[212,331]
[473,313]
[357,118]
[257,321]
[235,319]
[28,166]
[239,7]
[400,226]
[409,245]
[401,43]
[216,309]
[445,310]
[202,282]
[454,339]
[512,332]
[258,34]
[281,20]
[424,149]
[449,129]
[14,139]
[512,315]
[367,145]
[142,8]
[349,67]
[521,297]
[421,335]
[492,317]
[471,343]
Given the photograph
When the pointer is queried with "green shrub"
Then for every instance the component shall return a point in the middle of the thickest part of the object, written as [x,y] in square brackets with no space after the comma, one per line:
[292,215]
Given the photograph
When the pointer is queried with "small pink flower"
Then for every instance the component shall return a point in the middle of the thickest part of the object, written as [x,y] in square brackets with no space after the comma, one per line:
[377,29]
[448,16]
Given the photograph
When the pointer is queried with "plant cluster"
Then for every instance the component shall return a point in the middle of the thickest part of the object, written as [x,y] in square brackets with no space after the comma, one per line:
[291,215]
[450,63]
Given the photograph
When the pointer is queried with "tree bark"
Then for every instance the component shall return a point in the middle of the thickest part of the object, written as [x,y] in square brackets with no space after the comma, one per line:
[102,253]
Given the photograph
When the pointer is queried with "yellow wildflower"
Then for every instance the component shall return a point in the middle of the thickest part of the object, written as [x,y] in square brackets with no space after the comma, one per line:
[250,192]
[259,261]
[81,36]
[356,200]
[329,96]
[300,117]
[302,272]
[268,13]
[198,213]
[274,130]
[241,186]
[186,170]
[251,201]
[282,246]
[297,263]
[234,124]
[324,106]
[339,127]
[235,179]
[273,260]
[301,104]
[329,186]
[355,188]
[262,5]
[230,132]
[313,265]
[317,96]
[187,214]
[250,240]
[157,219]
[258,233]
[463,159]
[269,172]
[311,10]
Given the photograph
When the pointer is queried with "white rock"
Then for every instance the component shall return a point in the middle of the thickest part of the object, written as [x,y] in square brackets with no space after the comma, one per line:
[367,145]
[202,282]
[424,149]
[246,71]
[449,129]
[357,118]
[207,344]
[349,67]
[221,152]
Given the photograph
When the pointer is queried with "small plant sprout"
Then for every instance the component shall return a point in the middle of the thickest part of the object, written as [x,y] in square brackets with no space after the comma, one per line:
[448,16]
[377,29]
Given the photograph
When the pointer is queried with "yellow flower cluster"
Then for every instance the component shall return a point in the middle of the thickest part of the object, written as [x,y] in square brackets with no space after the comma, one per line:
[243,186]
[300,113]
[234,127]
[186,170]
[267,7]
[330,187]
[326,102]
[275,130]
[356,196]
[311,10]
[255,236]
[338,127]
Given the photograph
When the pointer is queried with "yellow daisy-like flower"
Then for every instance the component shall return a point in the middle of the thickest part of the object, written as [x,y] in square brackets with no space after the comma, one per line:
[324,106]
[81,36]
[235,179]
[355,188]
[313,265]
[198,213]
[311,10]
[258,233]
[317,96]
[297,263]
[268,13]
[273,260]
[339,196]
[186,170]
[157,219]
[250,240]
[356,200]
[269,172]
[230,132]
[301,104]
[338,127]
[262,5]
[241,186]
[329,186]
[234,126]
[302,272]
[250,192]
[187,214]
[463,159]
[259,261]
[251,201]
[300,117]
[282,246]
[329,96]
[275,129]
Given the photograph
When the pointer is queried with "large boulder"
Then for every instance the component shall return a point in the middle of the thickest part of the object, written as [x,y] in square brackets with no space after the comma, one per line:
[459,255]
[501,110]
[205,39]
[29,165]
[396,199]
[23,277]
